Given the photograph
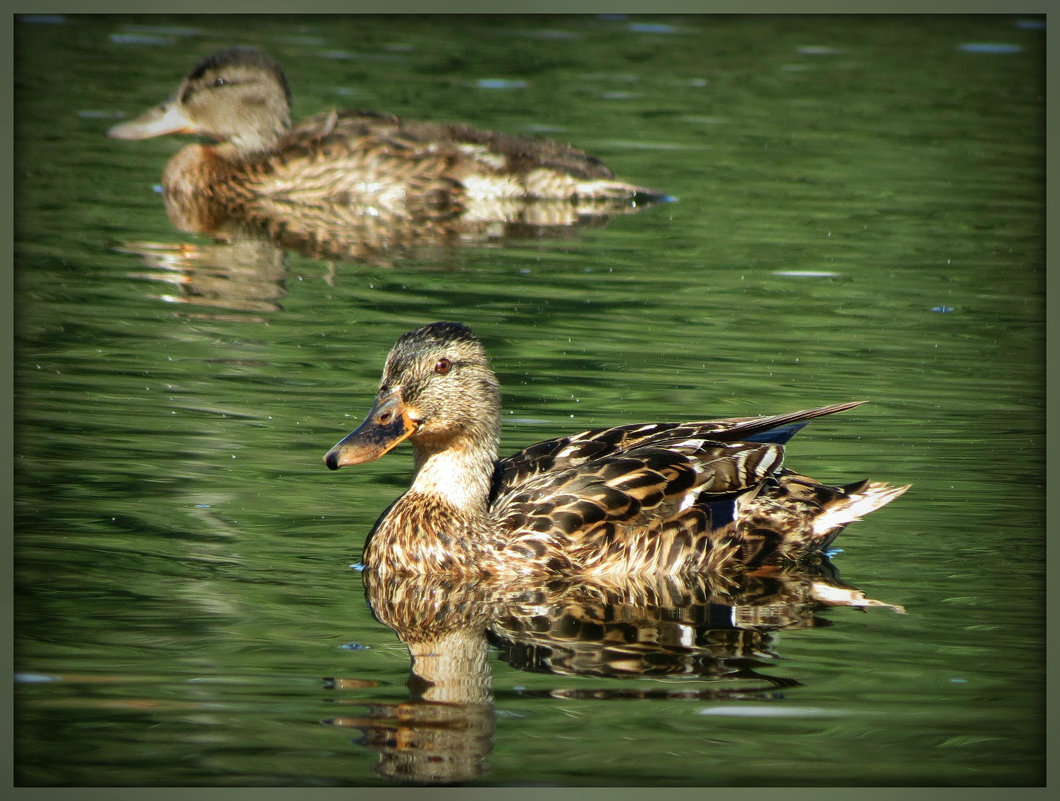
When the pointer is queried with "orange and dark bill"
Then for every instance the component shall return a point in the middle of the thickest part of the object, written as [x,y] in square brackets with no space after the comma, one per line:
[385,426]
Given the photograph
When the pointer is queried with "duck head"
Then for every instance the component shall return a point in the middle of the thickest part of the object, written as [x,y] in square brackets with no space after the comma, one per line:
[239,95]
[438,391]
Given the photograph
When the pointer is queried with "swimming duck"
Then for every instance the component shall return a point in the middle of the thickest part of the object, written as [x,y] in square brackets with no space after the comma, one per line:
[640,499]
[240,98]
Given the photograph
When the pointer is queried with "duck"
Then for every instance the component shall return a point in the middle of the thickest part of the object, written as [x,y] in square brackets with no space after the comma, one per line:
[634,500]
[240,97]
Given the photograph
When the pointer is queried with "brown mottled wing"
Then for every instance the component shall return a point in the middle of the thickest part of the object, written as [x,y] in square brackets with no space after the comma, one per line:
[437,162]
[346,156]
[422,139]
[507,153]
[644,509]
[577,449]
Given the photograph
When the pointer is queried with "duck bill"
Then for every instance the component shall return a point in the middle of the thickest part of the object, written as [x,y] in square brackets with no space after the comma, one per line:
[387,425]
[167,118]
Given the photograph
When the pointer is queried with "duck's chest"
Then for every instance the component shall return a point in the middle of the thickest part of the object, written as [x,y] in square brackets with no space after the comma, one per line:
[420,534]
[198,171]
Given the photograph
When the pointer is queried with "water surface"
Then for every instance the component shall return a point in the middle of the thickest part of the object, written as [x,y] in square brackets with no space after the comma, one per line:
[859,216]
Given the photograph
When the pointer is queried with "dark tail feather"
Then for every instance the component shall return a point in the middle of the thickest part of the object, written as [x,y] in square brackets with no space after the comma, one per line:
[779,428]
[777,436]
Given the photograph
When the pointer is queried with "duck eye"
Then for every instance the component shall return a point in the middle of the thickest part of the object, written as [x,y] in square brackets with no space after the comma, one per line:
[443,366]
[220,82]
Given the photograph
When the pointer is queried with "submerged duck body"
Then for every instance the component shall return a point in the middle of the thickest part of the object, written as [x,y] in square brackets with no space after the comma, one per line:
[240,98]
[641,499]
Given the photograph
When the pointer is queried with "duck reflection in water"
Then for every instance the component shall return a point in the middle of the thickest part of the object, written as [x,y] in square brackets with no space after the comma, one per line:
[641,550]
[361,185]
[711,634]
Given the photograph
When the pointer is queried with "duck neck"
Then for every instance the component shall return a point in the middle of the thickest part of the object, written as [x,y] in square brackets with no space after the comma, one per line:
[261,125]
[249,146]
[459,476]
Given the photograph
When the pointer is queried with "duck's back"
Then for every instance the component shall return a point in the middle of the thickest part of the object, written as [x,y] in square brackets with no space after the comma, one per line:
[576,449]
[379,159]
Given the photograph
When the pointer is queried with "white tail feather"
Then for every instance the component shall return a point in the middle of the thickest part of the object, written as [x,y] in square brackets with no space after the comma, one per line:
[872,497]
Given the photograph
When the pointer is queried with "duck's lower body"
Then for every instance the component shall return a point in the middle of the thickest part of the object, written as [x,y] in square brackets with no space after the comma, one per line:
[788,519]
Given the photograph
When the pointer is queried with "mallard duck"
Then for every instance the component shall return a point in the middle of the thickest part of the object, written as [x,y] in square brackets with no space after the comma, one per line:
[240,97]
[640,499]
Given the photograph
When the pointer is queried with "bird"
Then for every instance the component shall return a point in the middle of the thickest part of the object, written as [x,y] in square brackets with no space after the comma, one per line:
[240,97]
[634,500]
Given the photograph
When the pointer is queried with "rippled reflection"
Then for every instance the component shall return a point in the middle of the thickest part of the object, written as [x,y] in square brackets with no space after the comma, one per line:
[719,628]
[244,268]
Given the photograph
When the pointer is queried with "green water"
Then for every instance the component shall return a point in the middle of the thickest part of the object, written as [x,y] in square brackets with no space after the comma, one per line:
[859,216]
